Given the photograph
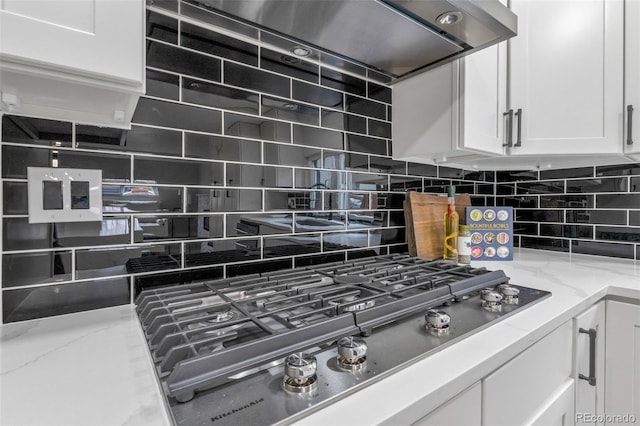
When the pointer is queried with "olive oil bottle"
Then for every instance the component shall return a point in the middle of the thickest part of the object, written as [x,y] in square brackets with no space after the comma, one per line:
[451,220]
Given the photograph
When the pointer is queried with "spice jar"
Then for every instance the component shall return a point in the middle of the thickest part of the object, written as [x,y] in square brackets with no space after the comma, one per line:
[464,245]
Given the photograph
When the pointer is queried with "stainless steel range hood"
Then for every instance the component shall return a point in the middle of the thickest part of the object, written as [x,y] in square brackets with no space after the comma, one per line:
[395,37]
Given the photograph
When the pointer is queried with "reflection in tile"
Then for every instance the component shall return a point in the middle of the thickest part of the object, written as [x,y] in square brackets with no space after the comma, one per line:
[343,82]
[169,114]
[242,225]
[388,236]
[487,189]
[618,233]
[346,200]
[449,172]
[367,182]
[345,240]
[39,302]
[566,231]
[221,251]
[634,218]
[288,65]
[618,170]
[218,44]
[218,96]
[317,222]
[257,128]
[389,200]
[368,219]
[293,200]
[288,110]
[15,160]
[259,176]
[524,201]
[598,185]
[221,148]
[19,234]
[140,198]
[438,186]
[366,107]
[223,200]
[183,61]
[525,228]
[618,201]
[183,172]
[162,27]
[138,139]
[251,78]
[634,184]
[605,217]
[571,201]
[342,121]
[301,262]
[105,262]
[316,95]
[396,218]
[505,189]
[35,131]
[552,244]
[313,136]
[319,179]
[548,187]
[379,93]
[345,161]
[625,251]
[539,215]
[374,251]
[142,282]
[35,268]
[258,267]
[290,155]
[566,173]
[381,129]
[281,247]
[14,198]
[158,228]
[387,165]
[366,144]
[516,176]
[426,170]
[110,230]
[403,184]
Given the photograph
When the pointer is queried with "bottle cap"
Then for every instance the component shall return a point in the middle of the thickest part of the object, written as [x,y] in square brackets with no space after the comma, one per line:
[452,191]
[463,228]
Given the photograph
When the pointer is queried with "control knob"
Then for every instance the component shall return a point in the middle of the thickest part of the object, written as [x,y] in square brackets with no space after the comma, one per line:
[352,353]
[300,373]
[510,294]
[437,322]
[491,300]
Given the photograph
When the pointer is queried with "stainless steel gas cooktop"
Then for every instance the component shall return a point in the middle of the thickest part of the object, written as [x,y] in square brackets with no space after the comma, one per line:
[264,348]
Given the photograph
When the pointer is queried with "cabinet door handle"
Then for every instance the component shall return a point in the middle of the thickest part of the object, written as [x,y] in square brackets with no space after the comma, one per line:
[629,125]
[508,116]
[519,128]
[591,378]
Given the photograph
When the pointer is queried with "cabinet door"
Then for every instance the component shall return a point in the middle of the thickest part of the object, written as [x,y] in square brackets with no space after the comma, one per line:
[622,365]
[558,410]
[97,38]
[590,398]
[463,409]
[631,80]
[566,74]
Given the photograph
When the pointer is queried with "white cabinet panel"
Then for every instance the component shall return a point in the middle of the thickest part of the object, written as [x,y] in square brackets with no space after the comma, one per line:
[463,409]
[559,408]
[631,80]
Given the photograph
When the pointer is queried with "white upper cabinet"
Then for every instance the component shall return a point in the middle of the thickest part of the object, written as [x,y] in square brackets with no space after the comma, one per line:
[80,60]
[566,75]
[631,79]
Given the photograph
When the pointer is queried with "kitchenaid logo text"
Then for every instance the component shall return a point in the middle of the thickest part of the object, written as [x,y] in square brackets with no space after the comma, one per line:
[605,418]
[236,410]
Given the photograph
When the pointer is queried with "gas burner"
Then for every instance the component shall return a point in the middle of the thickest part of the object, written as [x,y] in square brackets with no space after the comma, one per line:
[352,307]
[300,373]
[510,294]
[437,322]
[491,300]
[222,316]
[351,279]
[352,354]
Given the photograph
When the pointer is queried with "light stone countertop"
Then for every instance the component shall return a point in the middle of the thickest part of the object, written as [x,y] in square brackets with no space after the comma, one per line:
[93,368]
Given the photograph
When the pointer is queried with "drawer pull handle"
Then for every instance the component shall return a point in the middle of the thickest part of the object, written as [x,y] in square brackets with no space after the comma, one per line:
[509,128]
[591,378]
[629,125]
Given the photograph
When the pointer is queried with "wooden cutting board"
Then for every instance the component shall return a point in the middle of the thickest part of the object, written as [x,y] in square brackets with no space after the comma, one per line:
[424,218]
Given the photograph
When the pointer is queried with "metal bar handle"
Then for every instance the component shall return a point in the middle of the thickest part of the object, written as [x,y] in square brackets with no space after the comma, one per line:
[629,125]
[509,116]
[592,356]
[519,128]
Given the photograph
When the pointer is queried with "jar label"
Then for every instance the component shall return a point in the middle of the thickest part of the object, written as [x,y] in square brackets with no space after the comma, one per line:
[464,246]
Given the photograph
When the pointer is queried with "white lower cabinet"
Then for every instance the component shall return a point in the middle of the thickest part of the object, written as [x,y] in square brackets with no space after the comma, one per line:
[463,409]
[622,363]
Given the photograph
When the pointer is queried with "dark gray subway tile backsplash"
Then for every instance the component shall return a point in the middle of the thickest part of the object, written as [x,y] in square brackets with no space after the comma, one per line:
[241,159]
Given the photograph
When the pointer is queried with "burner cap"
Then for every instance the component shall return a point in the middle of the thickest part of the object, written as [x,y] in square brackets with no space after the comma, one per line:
[352,279]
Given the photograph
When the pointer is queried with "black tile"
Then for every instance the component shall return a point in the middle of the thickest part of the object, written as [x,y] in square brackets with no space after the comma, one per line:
[138,139]
[35,131]
[40,302]
[163,85]
[286,247]
[525,228]
[604,217]
[199,11]
[567,201]
[552,244]
[366,144]
[162,27]
[217,44]
[360,254]
[142,282]
[396,218]
[251,78]
[479,176]
[618,233]
[381,129]
[218,96]
[293,200]
[317,222]
[436,186]
[183,61]
[618,201]
[618,170]
[388,236]
[221,148]
[288,65]
[342,121]
[111,230]
[242,225]
[549,187]
[343,82]
[539,215]
[223,200]
[258,267]
[35,268]
[139,198]
[291,155]
[505,189]
[257,128]
[603,249]
[367,182]
[121,260]
[516,176]
[346,200]
[368,219]
[598,185]
[487,189]
[319,179]
[14,198]
[221,251]
[389,200]
[178,172]
[321,138]
[19,234]
[567,173]
[379,77]
[259,176]
[304,261]
[566,231]
[316,95]
[291,111]
[389,115]
[402,184]
[426,170]
[345,240]
[634,184]
[184,227]
[379,93]
[345,161]
[366,107]
[170,114]
[634,218]
[387,165]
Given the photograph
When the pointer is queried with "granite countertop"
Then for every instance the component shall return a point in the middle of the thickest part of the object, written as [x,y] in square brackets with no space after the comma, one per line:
[93,368]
